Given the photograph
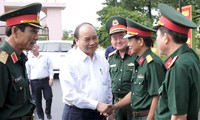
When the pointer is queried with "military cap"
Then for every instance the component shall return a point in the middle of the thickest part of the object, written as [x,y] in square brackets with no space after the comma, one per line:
[28,14]
[135,28]
[116,24]
[174,20]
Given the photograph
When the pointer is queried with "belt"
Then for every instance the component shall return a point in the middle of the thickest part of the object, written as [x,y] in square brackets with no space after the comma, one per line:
[42,79]
[140,113]
[25,118]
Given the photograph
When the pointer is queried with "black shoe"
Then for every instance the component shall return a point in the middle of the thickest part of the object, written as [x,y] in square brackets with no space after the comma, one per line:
[49,117]
[40,117]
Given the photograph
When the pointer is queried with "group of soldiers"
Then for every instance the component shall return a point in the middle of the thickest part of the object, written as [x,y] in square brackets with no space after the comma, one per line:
[143,87]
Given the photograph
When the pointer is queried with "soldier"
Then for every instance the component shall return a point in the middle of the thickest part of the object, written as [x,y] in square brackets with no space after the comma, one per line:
[149,73]
[121,65]
[180,91]
[22,26]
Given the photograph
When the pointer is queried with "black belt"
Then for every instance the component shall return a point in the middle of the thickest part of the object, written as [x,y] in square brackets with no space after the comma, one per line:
[42,79]
[25,118]
[82,109]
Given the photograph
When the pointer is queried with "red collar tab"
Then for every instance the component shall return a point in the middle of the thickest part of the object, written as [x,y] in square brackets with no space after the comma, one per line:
[134,31]
[14,57]
[170,62]
[22,19]
[118,27]
[172,26]
[141,60]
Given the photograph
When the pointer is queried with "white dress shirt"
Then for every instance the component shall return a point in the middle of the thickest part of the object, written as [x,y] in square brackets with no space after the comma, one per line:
[39,67]
[85,81]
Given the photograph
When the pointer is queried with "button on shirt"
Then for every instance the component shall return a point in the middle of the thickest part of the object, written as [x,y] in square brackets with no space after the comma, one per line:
[39,67]
[85,81]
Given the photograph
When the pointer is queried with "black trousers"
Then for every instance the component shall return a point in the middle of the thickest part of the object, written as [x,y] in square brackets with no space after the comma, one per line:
[39,86]
[74,113]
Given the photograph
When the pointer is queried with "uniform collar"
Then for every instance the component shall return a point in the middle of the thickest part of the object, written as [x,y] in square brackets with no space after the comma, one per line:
[12,53]
[172,58]
[141,59]
[126,53]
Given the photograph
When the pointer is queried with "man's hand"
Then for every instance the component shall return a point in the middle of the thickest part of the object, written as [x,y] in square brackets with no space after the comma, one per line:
[50,82]
[105,109]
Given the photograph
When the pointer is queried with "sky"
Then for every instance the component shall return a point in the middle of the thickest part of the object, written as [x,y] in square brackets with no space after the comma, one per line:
[76,11]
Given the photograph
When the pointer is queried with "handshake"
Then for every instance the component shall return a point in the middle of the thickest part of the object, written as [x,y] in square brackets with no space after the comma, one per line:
[105,109]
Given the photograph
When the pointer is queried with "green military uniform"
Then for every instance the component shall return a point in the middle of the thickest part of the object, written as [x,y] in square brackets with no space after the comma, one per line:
[149,73]
[146,81]
[182,80]
[121,69]
[180,91]
[15,97]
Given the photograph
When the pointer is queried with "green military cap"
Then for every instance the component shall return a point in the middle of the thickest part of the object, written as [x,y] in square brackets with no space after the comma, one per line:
[174,20]
[28,14]
[135,28]
[116,24]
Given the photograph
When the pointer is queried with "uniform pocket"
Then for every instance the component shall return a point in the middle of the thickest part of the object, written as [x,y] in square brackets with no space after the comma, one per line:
[19,91]
[140,87]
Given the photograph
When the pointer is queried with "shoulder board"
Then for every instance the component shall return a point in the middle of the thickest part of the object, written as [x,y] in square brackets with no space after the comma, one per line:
[112,53]
[149,58]
[3,57]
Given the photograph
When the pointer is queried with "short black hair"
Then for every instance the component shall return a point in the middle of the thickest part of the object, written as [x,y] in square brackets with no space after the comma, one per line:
[20,26]
[76,32]
[178,38]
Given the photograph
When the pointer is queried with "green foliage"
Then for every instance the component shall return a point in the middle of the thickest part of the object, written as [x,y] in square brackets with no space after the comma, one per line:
[107,12]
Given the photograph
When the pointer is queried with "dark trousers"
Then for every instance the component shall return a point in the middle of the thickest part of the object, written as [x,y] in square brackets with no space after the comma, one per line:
[74,113]
[39,86]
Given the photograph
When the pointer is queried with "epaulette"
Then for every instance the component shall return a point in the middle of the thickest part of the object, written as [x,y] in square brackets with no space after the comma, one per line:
[149,58]
[170,62]
[112,53]
[3,57]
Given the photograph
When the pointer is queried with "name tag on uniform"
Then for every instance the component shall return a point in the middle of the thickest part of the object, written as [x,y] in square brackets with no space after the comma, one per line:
[18,79]
[130,64]
[113,65]
[140,76]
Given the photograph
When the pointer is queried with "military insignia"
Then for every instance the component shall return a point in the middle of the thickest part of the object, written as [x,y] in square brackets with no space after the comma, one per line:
[149,58]
[3,57]
[14,57]
[113,65]
[141,60]
[112,53]
[115,22]
[140,76]
[170,62]
[130,64]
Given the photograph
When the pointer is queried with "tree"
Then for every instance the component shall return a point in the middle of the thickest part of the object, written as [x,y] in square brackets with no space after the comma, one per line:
[107,12]
[138,10]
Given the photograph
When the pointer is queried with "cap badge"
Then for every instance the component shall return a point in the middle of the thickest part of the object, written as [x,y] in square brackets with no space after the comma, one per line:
[115,22]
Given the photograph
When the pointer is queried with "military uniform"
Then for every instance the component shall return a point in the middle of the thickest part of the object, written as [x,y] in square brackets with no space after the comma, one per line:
[180,91]
[146,79]
[121,69]
[15,98]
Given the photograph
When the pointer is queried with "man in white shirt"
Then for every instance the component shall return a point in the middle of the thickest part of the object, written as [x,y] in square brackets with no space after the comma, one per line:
[40,73]
[85,78]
